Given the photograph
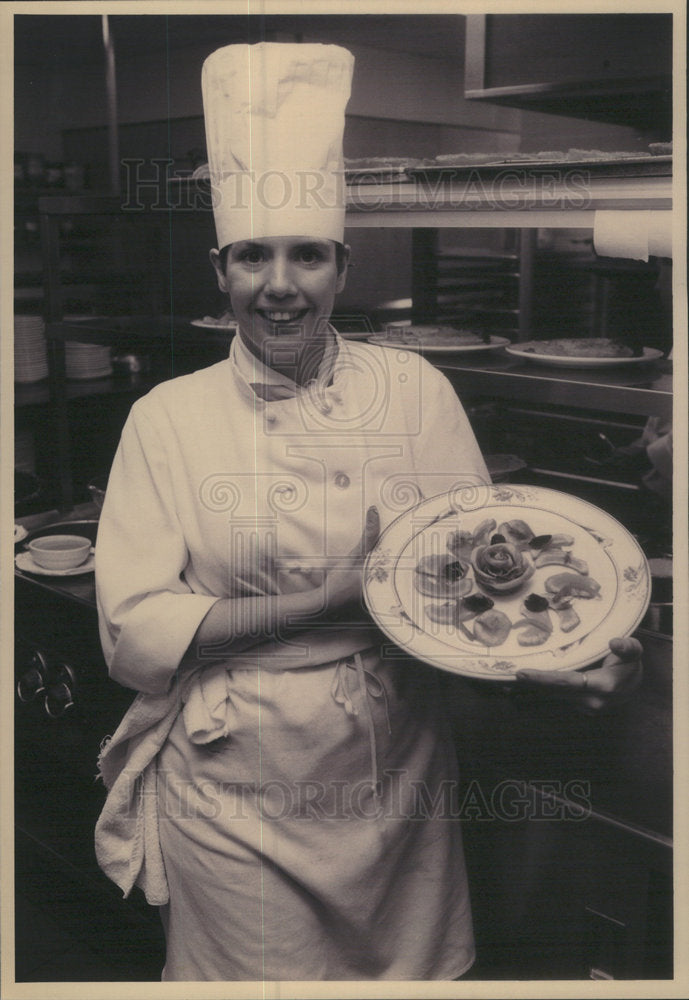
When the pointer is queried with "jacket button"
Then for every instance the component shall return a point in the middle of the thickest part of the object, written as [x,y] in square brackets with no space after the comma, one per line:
[342,480]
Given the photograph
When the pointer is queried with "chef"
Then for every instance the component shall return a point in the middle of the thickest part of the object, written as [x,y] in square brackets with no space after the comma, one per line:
[265,786]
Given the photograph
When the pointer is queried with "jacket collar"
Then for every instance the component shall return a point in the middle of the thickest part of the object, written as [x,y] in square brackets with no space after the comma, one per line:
[262,384]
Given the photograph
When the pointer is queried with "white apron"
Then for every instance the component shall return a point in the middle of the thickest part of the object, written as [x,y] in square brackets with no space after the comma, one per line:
[283,862]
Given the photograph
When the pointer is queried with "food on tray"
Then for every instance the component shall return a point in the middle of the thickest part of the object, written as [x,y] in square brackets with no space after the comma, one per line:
[559,557]
[572,155]
[547,550]
[432,336]
[545,543]
[442,576]
[475,604]
[378,162]
[578,347]
[400,164]
[602,154]
[567,617]
[566,585]
[456,612]
[463,543]
[535,625]
[492,627]
[520,534]
[501,563]
[224,319]
[517,532]
[583,609]
[443,614]
[484,532]
[465,159]
[501,567]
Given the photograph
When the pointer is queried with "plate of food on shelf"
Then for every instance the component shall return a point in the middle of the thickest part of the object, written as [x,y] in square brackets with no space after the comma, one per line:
[583,352]
[374,169]
[487,580]
[437,339]
[657,159]
[225,321]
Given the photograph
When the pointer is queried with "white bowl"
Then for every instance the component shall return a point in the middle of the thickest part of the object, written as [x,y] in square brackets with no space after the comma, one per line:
[60,551]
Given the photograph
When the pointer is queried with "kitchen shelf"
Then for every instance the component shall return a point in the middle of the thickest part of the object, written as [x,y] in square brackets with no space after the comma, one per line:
[558,195]
[644,391]
[38,393]
[140,329]
[482,257]
[489,290]
[604,67]
[491,310]
[503,196]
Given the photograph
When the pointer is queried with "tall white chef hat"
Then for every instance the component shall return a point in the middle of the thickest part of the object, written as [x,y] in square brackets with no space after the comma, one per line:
[274,116]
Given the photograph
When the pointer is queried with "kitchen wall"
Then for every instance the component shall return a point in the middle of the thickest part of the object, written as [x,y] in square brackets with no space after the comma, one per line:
[389,85]
[403,103]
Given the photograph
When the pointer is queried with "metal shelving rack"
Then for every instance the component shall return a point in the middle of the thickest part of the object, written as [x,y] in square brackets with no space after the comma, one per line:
[515,198]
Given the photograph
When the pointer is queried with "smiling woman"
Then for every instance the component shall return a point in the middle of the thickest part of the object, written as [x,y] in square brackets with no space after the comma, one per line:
[283,289]
[269,714]
[263,789]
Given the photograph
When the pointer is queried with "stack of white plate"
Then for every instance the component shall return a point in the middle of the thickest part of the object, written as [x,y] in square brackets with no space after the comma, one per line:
[87,360]
[30,349]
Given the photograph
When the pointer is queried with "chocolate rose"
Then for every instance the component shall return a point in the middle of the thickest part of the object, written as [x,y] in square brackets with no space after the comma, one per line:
[501,567]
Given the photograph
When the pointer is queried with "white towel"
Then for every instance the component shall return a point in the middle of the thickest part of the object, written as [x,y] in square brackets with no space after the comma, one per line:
[126,836]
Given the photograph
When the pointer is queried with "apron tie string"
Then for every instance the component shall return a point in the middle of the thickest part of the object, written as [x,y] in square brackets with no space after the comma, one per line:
[369,685]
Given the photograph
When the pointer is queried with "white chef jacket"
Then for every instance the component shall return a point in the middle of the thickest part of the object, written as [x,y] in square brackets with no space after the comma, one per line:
[208,476]
[216,492]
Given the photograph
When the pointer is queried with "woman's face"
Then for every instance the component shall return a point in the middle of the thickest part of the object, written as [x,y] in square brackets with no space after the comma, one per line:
[282,290]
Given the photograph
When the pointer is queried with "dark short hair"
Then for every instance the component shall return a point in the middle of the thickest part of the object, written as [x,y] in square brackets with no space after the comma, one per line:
[340,256]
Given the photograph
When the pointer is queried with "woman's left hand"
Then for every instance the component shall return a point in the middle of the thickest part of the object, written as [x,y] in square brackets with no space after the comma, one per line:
[594,690]
[344,578]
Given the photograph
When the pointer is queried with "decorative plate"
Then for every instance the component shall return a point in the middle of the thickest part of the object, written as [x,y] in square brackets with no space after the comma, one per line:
[571,541]
[384,340]
[565,361]
[207,324]
[377,173]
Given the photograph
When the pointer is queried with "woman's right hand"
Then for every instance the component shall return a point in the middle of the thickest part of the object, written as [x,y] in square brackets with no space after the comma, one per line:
[343,579]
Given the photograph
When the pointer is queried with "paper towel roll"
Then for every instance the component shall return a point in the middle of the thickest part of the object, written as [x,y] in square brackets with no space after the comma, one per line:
[660,234]
[634,235]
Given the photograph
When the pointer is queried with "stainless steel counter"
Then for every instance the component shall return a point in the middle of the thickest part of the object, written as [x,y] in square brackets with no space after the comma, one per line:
[627,757]
[640,390]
